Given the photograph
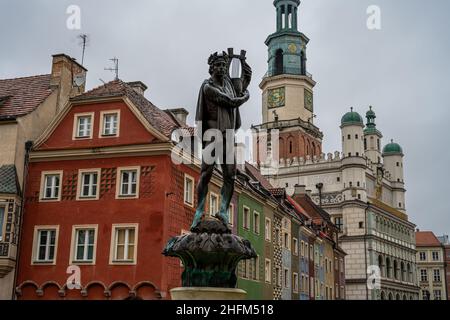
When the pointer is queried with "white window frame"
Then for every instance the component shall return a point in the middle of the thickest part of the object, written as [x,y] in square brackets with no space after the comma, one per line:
[213,211]
[268,274]
[76,118]
[103,115]
[192,180]
[74,244]
[246,220]
[35,253]
[113,247]
[42,197]
[119,194]
[433,255]
[256,222]
[423,275]
[435,295]
[437,275]
[268,233]
[278,274]
[295,240]
[230,213]
[422,254]
[295,282]
[80,184]
[285,278]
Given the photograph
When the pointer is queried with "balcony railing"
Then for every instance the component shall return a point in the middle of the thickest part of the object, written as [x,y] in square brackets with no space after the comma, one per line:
[291,71]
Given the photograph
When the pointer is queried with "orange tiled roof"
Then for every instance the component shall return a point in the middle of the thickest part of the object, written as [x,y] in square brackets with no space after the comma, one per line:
[20,96]
[426,239]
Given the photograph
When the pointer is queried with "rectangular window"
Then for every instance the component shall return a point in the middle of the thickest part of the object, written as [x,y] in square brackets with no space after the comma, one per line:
[246,218]
[129,182]
[110,124]
[230,213]
[255,269]
[286,240]
[422,256]
[437,294]
[2,219]
[435,256]
[124,244]
[295,243]
[277,236]
[89,184]
[83,127]
[295,282]
[268,271]
[437,275]
[268,230]
[51,185]
[46,245]
[338,222]
[256,222]
[279,276]
[286,278]
[423,275]
[188,190]
[84,245]
[213,204]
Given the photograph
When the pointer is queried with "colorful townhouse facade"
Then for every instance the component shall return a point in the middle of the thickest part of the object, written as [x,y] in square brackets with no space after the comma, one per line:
[27,106]
[102,199]
[431,265]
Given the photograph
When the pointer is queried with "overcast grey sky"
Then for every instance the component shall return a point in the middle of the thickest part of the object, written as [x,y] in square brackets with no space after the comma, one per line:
[402,69]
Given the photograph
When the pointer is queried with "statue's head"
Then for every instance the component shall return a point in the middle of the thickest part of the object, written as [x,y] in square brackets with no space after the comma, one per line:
[218,63]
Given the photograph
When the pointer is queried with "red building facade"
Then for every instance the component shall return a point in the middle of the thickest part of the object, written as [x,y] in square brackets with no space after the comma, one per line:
[103,195]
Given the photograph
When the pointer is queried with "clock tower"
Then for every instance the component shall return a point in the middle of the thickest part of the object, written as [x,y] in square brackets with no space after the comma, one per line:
[287,87]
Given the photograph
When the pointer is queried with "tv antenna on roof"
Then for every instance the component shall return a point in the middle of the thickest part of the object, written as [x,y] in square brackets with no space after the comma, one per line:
[84,42]
[115,68]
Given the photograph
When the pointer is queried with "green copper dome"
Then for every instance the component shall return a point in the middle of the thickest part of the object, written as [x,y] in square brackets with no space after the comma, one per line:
[392,149]
[352,117]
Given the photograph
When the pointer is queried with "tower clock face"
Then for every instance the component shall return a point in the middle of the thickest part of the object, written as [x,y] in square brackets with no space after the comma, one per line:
[277,97]
[292,48]
[309,101]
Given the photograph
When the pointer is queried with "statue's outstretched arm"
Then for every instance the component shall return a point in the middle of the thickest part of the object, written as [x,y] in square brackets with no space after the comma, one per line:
[214,95]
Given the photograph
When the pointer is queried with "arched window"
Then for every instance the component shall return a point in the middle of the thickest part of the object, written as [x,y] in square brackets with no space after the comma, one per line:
[409,275]
[388,268]
[403,270]
[380,265]
[395,270]
[290,147]
[397,297]
[313,151]
[279,62]
[391,297]
[383,295]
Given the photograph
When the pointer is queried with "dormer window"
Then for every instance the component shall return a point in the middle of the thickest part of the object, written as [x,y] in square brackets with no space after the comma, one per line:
[109,123]
[83,126]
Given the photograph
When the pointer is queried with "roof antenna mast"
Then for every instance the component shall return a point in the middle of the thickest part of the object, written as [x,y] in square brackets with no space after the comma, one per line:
[115,68]
[84,41]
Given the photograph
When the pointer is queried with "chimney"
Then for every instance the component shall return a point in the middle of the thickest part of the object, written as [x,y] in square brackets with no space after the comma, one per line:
[68,77]
[299,190]
[180,113]
[138,86]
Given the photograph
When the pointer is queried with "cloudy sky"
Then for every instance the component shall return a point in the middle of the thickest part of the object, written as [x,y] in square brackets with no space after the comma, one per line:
[402,70]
